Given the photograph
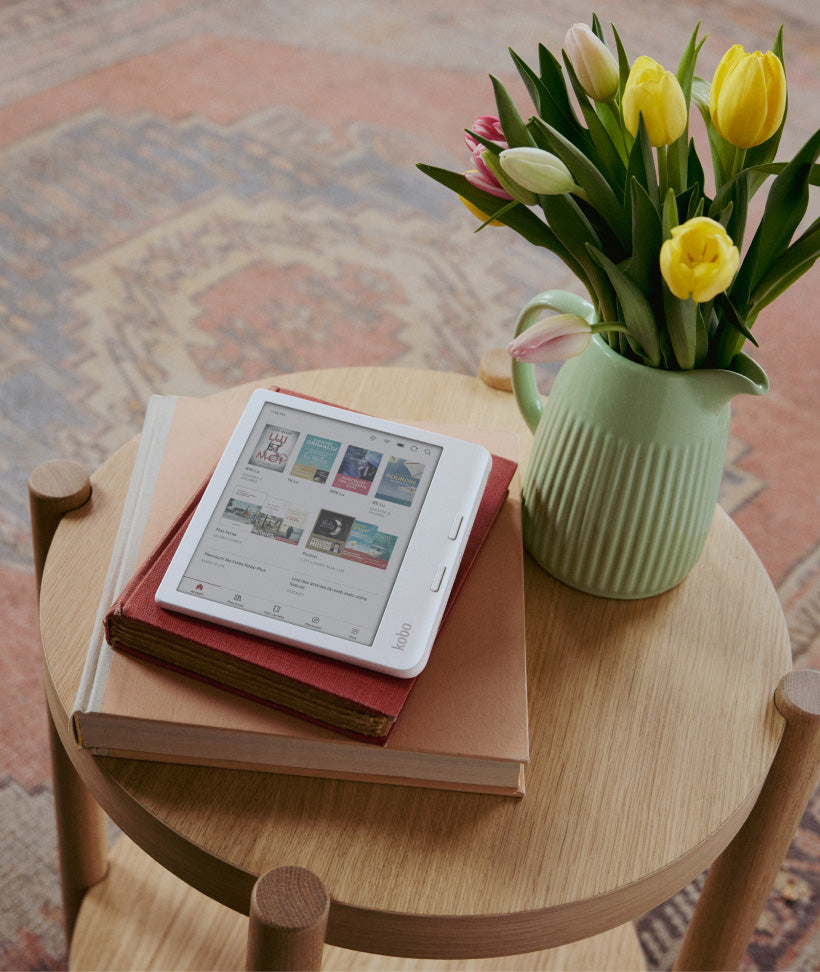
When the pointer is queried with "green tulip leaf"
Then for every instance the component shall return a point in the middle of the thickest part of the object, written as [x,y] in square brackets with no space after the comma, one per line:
[733,329]
[488,143]
[785,207]
[730,316]
[598,190]
[569,223]
[721,151]
[690,203]
[782,273]
[678,151]
[637,310]
[686,66]
[549,94]
[775,168]
[731,206]
[512,124]
[642,165]
[669,214]
[681,321]
[524,221]
[623,61]
[648,233]
[695,178]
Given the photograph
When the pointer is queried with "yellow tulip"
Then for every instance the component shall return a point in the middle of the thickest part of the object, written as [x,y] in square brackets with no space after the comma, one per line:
[483,217]
[657,95]
[700,260]
[747,99]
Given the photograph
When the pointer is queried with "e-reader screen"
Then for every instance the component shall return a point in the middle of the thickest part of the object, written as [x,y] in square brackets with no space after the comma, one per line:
[306,531]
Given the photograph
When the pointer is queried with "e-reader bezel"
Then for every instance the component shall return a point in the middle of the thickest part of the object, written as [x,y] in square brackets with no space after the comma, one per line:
[413,609]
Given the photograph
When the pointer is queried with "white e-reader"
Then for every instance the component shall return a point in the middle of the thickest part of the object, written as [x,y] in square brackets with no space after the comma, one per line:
[330,531]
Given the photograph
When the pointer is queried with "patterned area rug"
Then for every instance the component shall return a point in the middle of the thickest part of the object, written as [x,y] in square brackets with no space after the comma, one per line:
[199,193]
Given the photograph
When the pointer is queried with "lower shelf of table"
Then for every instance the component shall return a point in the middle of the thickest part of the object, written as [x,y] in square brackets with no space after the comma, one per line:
[142,917]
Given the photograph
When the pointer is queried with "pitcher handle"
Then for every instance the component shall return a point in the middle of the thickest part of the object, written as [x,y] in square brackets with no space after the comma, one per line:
[525,387]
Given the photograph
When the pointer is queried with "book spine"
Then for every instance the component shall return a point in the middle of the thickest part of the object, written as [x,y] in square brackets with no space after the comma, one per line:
[122,565]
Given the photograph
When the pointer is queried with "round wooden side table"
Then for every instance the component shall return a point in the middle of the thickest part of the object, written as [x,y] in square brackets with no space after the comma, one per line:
[652,724]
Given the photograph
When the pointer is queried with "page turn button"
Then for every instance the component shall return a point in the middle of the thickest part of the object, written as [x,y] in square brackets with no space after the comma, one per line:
[438,577]
[455,526]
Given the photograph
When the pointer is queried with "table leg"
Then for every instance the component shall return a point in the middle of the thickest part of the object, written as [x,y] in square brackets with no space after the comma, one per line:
[55,488]
[741,879]
[81,832]
[288,920]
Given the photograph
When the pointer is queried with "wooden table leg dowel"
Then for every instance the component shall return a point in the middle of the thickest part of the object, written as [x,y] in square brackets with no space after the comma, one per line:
[741,879]
[54,489]
[288,921]
[81,833]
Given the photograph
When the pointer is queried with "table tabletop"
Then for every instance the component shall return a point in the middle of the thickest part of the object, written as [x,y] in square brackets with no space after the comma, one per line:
[652,727]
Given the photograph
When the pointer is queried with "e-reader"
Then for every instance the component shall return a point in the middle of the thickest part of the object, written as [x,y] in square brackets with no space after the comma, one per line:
[330,531]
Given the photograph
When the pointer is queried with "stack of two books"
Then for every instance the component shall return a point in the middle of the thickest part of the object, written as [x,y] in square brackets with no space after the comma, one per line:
[461,724]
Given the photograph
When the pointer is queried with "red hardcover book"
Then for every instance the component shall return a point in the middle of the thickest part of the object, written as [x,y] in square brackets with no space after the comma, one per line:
[340,696]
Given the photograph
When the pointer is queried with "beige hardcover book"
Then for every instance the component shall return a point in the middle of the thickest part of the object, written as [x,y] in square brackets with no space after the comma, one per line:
[464,725]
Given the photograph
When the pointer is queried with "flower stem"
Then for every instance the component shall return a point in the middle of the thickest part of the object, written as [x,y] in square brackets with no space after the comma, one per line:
[663,170]
[738,160]
[616,128]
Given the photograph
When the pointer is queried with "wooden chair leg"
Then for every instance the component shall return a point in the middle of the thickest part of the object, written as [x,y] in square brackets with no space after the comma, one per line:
[741,879]
[288,921]
[55,488]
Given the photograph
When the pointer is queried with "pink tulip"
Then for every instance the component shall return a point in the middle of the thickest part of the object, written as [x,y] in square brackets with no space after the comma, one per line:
[489,127]
[553,339]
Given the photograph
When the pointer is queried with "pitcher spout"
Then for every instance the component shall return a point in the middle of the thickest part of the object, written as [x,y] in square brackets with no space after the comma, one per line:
[754,379]
[720,385]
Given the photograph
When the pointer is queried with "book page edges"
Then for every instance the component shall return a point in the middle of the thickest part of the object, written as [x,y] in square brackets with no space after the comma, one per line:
[160,487]
[126,550]
[509,781]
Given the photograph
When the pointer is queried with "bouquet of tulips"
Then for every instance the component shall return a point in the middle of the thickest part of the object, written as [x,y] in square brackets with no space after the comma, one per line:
[621,196]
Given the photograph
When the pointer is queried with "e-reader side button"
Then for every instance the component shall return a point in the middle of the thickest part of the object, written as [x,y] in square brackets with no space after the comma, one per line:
[455,526]
[438,578]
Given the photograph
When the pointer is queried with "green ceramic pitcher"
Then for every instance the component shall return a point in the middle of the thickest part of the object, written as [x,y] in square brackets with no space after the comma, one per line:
[626,462]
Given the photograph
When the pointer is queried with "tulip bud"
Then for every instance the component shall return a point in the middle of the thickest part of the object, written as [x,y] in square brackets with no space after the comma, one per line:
[700,260]
[541,172]
[553,339]
[747,99]
[593,63]
[514,189]
[657,95]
